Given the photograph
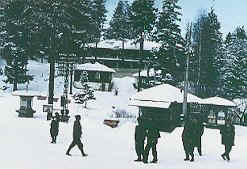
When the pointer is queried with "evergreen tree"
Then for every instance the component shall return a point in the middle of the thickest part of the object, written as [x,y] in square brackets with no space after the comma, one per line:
[84,77]
[168,34]
[15,42]
[228,39]
[119,28]
[142,19]
[52,26]
[206,40]
[59,21]
[235,72]
[99,18]
[240,33]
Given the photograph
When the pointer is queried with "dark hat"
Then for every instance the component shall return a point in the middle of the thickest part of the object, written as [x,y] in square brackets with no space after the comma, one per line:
[77,116]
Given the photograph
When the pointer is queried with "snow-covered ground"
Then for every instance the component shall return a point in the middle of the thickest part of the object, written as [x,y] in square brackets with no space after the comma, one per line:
[25,142]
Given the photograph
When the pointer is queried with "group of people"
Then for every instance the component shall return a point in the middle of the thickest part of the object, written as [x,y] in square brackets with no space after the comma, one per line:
[77,132]
[191,138]
[152,135]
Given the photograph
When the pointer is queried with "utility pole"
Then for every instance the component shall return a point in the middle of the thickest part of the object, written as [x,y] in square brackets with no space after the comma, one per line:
[71,78]
[188,53]
[140,61]
[186,85]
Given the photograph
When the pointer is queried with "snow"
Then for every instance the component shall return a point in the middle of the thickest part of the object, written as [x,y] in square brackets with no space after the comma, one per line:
[218,101]
[25,142]
[144,103]
[161,95]
[144,73]
[94,67]
[129,44]
[26,93]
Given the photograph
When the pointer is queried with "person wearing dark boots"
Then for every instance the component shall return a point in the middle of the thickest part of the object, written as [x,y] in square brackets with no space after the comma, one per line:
[227,138]
[187,136]
[140,134]
[54,129]
[77,136]
[152,139]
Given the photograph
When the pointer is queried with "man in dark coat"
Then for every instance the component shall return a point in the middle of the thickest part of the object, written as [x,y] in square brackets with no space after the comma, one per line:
[54,128]
[77,136]
[227,138]
[187,136]
[197,132]
[140,134]
[153,135]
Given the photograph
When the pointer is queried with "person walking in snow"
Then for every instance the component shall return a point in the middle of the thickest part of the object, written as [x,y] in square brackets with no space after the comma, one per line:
[153,135]
[140,134]
[54,129]
[227,138]
[77,132]
[198,129]
[187,136]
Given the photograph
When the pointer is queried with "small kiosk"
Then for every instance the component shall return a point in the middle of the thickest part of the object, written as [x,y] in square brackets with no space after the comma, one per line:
[26,102]
[97,74]
[160,106]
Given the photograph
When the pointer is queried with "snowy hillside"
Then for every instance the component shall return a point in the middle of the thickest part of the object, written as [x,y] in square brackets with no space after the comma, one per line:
[25,143]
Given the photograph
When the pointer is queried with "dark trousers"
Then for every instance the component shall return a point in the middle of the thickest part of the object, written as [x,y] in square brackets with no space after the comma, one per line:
[150,145]
[228,149]
[197,144]
[188,148]
[54,138]
[139,147]
[78,143]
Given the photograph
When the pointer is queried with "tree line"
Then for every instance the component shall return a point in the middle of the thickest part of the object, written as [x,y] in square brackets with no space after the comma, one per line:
[32,29]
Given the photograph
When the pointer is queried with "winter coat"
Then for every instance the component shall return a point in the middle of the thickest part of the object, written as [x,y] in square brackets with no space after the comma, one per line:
[227,135]
[197,131]
[54,127]
[77,130]
[140,133]
[153,135]
[187,134]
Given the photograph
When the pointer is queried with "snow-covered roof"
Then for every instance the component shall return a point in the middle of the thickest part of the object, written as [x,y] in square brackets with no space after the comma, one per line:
[161,96]
[149,103]
[144,73]
[129,44]
[94,67]
[26,93]
[218,101]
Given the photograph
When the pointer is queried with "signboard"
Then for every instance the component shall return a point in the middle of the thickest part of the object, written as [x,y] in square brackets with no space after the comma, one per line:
[47,108]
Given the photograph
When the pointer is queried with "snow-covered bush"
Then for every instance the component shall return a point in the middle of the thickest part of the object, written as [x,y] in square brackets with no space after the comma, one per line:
[121,113]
